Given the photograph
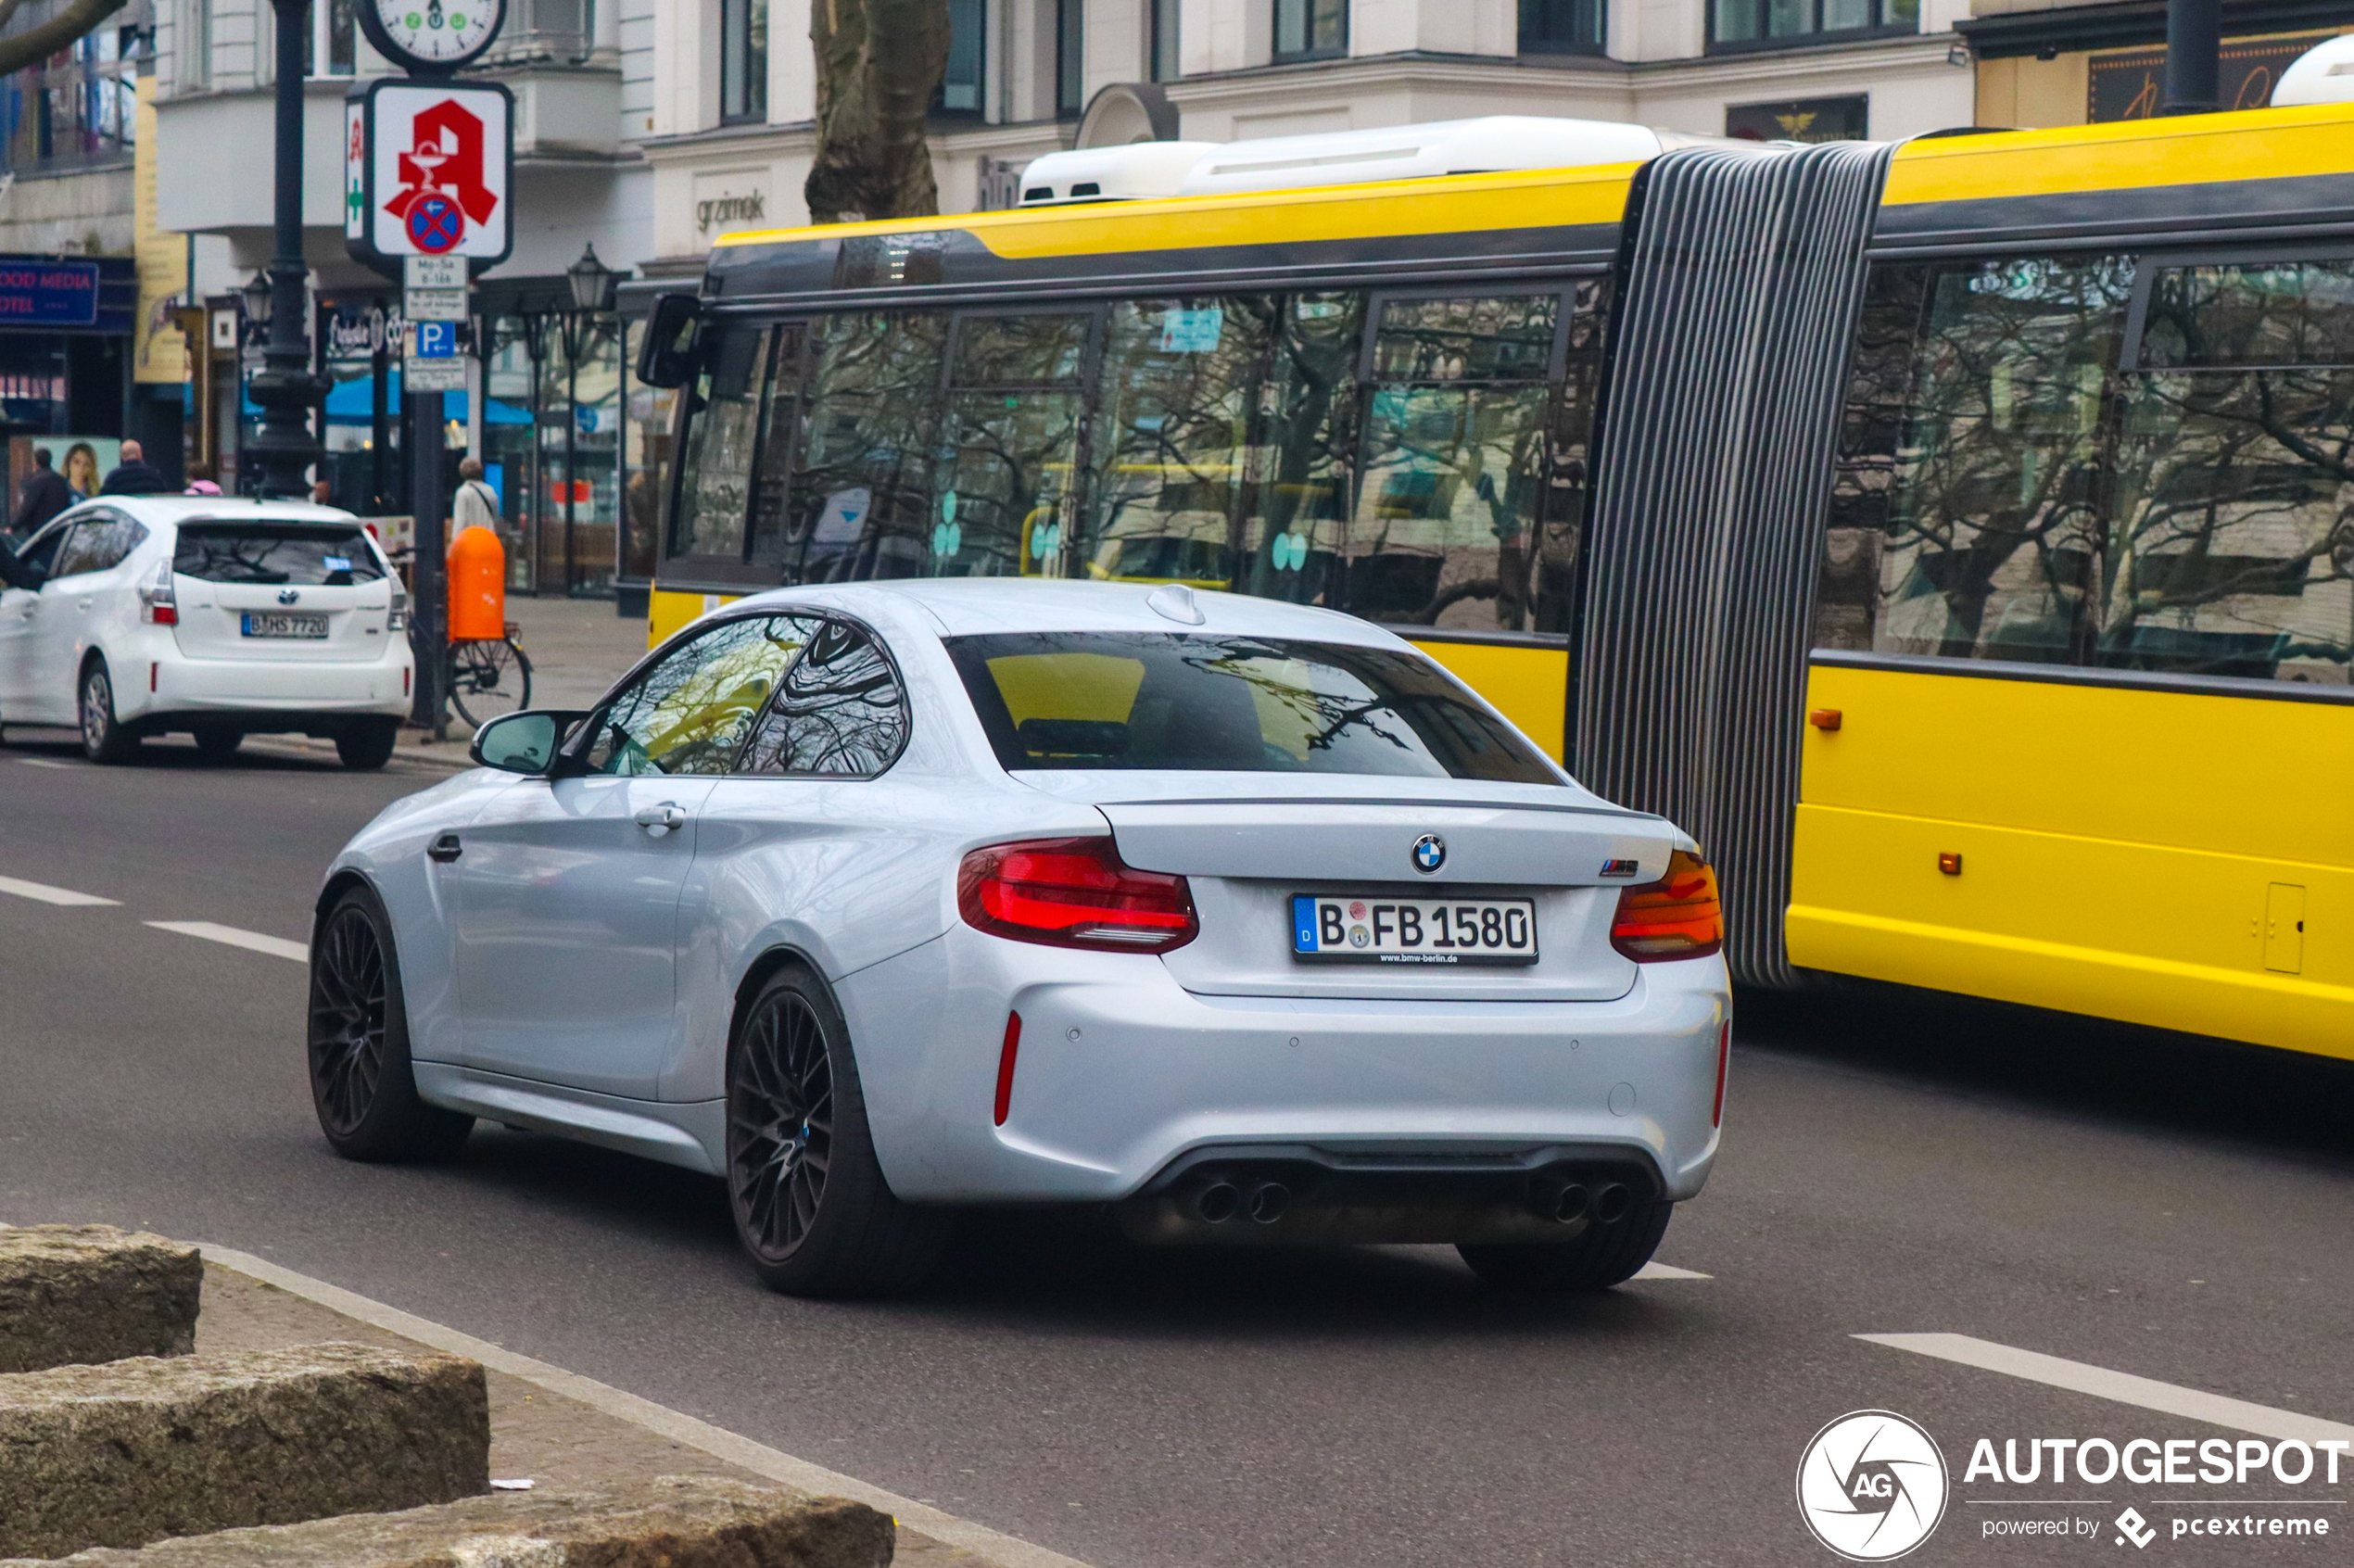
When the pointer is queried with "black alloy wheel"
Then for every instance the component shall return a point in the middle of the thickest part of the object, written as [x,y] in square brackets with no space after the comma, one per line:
[360,1079]
[104,739]
[810,1206]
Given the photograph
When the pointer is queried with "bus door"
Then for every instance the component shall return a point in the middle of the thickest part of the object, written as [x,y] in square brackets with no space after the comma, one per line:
[1005,489]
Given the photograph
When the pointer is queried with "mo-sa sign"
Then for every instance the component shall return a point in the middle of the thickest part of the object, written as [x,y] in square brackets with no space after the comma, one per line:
[429,171]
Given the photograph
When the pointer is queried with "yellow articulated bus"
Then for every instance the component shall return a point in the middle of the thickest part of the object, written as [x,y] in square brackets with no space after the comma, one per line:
[1957,537]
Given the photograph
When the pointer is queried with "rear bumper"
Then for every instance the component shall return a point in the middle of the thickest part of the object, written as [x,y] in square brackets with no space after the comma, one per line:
[1123,1077]
[161,683]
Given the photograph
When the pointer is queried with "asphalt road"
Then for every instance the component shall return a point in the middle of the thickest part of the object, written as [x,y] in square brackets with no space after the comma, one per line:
[2162,1208]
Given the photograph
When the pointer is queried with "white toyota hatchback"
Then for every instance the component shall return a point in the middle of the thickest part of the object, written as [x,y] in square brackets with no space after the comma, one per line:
[1243,917]
[212,615]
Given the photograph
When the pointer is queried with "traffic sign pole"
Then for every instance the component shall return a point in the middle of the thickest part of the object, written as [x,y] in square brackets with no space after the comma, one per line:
[428,576]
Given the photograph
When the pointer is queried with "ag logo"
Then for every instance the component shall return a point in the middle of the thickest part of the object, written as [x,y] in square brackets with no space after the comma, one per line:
[1871,1485]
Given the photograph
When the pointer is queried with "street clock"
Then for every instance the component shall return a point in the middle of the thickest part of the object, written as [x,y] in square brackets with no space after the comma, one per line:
[431,37]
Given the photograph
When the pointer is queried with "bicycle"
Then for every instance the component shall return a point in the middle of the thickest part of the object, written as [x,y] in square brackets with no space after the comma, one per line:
[487,678]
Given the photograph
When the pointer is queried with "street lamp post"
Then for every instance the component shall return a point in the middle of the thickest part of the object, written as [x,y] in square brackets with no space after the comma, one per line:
[592,282]
[284,386]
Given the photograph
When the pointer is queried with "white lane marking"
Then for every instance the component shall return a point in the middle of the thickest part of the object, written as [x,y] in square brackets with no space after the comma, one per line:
[47,761]
[2124,1387]
[1669,1271]
[277,947]
[43,893]
[1000,1550]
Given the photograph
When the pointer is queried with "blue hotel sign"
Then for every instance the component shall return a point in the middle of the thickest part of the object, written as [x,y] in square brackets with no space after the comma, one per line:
[48,294]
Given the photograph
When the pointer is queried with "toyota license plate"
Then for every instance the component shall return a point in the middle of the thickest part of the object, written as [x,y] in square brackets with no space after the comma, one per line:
[1345,929]
[273,623]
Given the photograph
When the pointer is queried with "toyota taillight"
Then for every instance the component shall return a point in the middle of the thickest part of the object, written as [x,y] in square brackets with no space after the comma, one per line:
[1677,917]
[158,605]
[1074,892]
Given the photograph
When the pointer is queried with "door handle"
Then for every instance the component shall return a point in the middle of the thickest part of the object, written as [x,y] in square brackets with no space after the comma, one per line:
[85,604]
[445,849]
[660,819]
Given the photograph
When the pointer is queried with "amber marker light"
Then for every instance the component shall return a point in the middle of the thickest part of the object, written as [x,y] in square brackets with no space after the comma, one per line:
[1825,719]
[1950,862]
[1677,917]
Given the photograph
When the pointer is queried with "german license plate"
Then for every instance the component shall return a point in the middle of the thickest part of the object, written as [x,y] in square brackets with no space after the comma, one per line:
[1347,928]
[273,622]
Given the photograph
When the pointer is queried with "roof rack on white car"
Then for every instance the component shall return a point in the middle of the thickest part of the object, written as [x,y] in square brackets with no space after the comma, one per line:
[1143,169]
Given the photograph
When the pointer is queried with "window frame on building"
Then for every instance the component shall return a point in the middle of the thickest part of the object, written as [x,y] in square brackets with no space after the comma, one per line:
[1305,13]
[1164,40]
[1535,39]
[978,82]
[743,62]
[1886,21]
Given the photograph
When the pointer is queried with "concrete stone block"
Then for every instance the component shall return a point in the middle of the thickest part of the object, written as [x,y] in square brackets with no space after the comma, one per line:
[133,1451]
[672,1522]
[72,1294]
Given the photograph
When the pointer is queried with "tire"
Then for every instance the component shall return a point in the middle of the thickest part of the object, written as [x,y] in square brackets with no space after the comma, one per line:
[217,746]
[104,739]
[488,679]
[362,1083]
[811,1209]
[366,744]
[1599,1257]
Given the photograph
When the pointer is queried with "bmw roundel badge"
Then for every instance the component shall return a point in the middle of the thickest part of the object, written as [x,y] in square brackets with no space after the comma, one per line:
[1430,853]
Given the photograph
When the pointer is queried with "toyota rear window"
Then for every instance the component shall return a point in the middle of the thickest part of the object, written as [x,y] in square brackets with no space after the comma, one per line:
[1156,700]
[298,554]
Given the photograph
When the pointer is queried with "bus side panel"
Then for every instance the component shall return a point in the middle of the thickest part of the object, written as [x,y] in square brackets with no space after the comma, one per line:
[2135,855]
[668,610]
[1528,686]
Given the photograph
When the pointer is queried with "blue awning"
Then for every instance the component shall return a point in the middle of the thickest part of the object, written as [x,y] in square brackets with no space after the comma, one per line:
[348,403]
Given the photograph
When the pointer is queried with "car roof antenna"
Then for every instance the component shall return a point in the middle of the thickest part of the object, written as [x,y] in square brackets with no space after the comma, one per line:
[1174,602]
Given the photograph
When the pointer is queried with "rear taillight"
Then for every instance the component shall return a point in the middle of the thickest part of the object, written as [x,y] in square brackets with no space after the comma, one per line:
[398,619]
[158,606]
[1074,892]
[1677,917]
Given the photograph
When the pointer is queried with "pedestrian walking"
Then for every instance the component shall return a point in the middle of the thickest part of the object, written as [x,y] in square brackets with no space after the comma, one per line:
[475,504]
[43,496]
[135,475]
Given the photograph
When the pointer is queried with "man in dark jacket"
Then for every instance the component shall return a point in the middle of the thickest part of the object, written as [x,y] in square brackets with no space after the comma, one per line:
[43,496]
[135,475]
[16,573]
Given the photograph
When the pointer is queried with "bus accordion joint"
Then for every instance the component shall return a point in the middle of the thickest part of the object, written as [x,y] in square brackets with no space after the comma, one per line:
[1677,917]
[1823,718]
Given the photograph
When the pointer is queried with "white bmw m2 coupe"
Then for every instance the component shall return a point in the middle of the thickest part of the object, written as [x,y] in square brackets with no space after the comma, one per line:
[1243,918]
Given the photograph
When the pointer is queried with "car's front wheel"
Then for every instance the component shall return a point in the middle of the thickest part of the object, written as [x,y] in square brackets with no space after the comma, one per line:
[1601,1255]
[360,1079]
[811,1206]
[104,739]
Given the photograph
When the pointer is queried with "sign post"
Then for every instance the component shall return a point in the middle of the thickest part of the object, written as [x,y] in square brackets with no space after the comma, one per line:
[433,303]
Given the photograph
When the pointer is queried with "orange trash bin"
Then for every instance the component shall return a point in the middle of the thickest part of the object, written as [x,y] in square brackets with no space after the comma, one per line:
[477,585]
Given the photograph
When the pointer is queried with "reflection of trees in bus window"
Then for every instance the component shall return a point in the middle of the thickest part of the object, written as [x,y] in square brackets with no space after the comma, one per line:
[2255,313]
[723,420]
[2235,526]
[780,427]
[1173,437]
[1002,486]
[1455,456]
[1295,503]
[861,487]
[1987,500]
[1551,583]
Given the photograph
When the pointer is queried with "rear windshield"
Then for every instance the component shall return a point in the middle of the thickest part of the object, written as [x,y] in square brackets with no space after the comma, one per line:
[1155,700]
[305,554]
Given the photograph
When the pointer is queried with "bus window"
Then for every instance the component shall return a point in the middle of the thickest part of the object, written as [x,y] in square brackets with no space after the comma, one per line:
[861,483]
[1172,432]
[1297,468]
[1551,583]
[1976,489]
[1002,493]
[1455,450]
[779,437]
[722,423]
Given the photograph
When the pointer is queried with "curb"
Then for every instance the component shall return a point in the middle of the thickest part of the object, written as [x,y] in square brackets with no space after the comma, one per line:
[325,750]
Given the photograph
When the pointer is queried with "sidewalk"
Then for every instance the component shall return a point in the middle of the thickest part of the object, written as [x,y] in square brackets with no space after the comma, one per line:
[578,648]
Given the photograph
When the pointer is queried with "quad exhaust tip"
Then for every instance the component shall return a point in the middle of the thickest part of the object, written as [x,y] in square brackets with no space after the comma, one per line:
[1565,1202]
[1267,1202]
[1217,1202]
[1214,1203]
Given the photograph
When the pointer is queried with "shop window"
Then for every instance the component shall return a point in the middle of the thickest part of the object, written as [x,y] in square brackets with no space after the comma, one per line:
[1802,120]
[1561,27]
[1311,29]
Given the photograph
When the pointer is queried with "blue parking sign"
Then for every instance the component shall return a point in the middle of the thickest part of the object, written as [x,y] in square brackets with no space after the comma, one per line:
[437,340]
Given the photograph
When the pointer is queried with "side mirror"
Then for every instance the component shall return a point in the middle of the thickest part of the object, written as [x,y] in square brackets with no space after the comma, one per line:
[666,356]
[523,742]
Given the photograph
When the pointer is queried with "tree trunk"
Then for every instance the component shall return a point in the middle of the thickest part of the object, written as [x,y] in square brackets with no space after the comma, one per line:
[878,64]
[35,45]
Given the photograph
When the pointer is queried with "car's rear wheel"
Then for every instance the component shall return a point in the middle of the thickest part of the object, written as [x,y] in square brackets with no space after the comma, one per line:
[104,739]
[1601,1255]
[360,1078]
[810,1206]
[366,744]
[216,745]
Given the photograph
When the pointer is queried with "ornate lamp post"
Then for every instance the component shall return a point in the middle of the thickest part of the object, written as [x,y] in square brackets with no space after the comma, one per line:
[284,386]
[592,287]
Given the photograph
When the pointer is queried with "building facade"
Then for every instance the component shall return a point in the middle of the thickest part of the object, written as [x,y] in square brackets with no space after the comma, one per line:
[2043,63]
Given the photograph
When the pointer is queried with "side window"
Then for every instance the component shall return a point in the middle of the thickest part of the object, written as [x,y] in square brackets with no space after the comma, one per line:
[723,423]
[779,441]
[1298,479]
[843,712]
[860,486]
[1445,531]
[690,714]
[1003,489]
[1972,452]
[84,548]
[122,535]
[43,551]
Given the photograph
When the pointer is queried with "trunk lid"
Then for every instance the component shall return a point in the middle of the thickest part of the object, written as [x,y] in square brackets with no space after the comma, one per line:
[222,572]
